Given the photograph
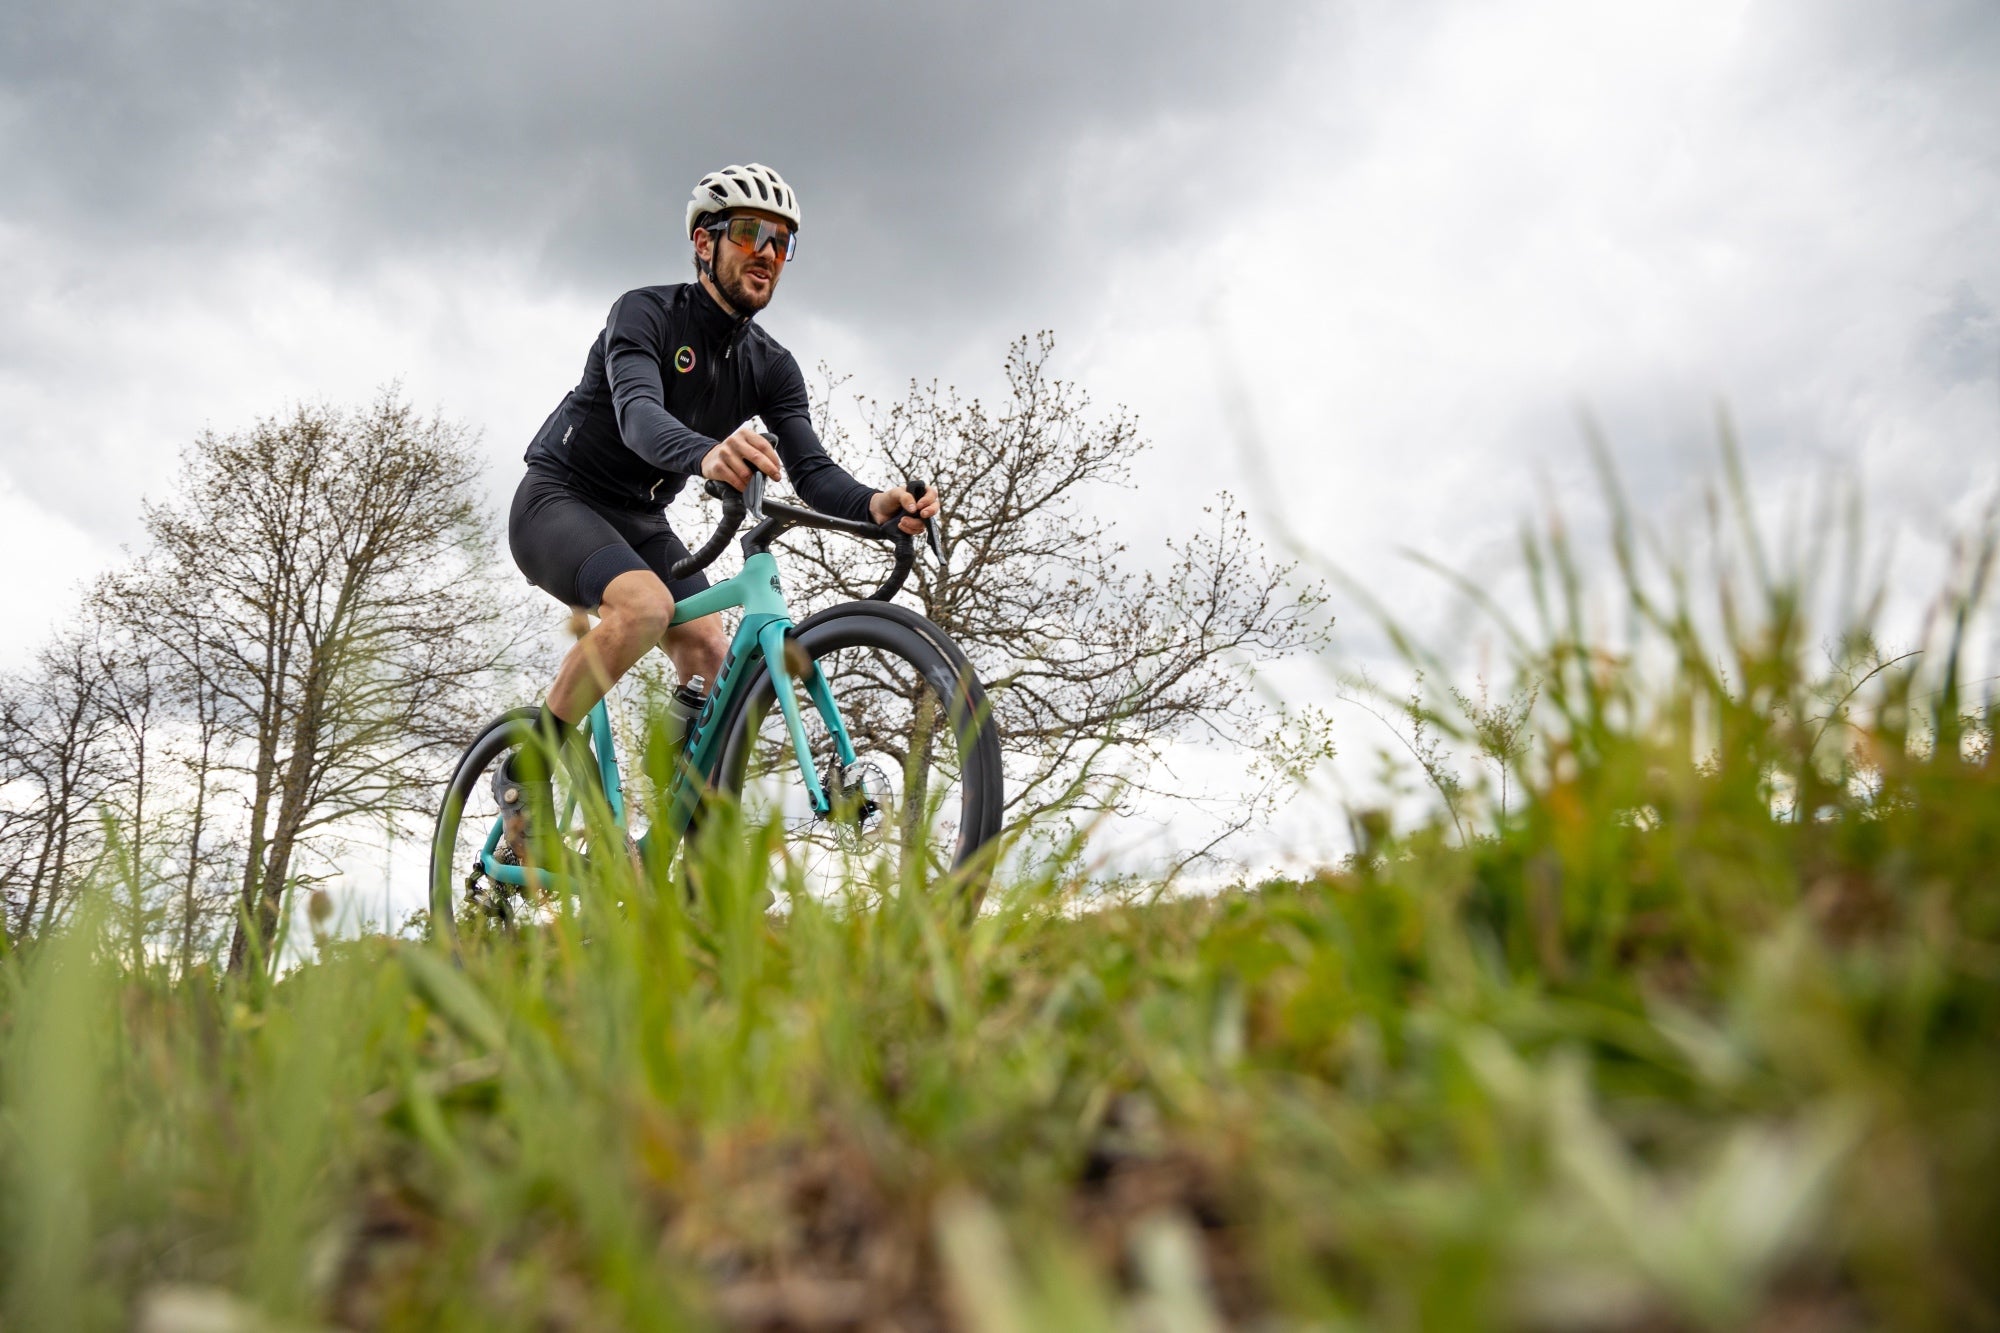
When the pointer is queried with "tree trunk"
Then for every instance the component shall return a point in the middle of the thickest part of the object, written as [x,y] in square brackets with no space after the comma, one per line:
[194,851]
[270,711]
[294,805]
[35,882]
[59,833]
[256,885]
[137,859]
[917,772]
[253,865]
[267,913]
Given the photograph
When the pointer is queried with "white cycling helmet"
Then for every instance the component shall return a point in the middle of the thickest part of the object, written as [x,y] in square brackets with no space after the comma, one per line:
[752,186]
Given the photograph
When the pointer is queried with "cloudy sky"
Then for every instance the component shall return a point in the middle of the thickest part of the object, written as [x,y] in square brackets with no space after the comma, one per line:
[1416,239]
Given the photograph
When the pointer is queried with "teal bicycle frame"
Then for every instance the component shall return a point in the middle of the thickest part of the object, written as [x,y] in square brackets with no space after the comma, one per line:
[766,621]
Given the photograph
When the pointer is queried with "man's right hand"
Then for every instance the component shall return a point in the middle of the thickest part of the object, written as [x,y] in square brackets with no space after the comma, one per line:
[732,460]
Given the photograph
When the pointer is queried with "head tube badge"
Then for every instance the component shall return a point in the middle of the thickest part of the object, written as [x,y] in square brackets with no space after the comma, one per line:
[684,359]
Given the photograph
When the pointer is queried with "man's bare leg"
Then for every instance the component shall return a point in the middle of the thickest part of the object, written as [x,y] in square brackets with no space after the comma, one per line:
[631,622]
[697,649]
[637,608]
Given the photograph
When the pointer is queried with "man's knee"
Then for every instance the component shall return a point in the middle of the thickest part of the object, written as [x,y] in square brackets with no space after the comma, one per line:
[698,648]
[640,599]
[710,645]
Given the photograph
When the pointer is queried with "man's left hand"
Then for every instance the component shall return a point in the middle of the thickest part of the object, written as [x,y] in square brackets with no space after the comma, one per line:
[897,500]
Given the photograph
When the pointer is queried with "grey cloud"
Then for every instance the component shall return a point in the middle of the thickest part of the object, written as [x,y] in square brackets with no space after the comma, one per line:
[1961,343]
[936,146]
[356,132]
[1950,43]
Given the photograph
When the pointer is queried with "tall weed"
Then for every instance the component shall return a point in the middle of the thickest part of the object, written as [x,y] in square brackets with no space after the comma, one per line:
[1698,1035]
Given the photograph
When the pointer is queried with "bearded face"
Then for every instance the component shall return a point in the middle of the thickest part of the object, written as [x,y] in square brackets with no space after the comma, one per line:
[746,280]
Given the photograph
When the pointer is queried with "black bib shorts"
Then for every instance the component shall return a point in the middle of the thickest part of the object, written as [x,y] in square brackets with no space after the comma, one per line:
[571,547]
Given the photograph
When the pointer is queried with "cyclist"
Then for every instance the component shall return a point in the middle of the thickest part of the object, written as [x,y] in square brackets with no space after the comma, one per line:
[667,393]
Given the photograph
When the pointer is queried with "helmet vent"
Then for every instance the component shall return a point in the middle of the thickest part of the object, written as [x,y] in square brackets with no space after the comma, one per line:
[741,185]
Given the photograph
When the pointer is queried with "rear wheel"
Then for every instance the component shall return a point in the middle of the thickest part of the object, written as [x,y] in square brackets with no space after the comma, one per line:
[464,898]
[922,801]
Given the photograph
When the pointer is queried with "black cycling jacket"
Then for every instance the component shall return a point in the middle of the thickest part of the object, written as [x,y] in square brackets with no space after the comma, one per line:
[672,373]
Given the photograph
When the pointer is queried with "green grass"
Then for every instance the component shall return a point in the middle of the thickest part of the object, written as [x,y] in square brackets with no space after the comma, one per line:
[1703,1036]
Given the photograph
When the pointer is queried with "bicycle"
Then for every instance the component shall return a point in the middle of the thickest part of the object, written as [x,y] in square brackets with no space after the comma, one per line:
[909,769]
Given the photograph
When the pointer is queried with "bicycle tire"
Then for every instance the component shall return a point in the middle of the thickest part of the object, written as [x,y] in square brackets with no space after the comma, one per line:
[452,862]
[960,663]
[927,653]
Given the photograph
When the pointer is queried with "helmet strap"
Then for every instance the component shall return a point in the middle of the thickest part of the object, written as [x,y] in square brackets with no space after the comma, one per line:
[706,267]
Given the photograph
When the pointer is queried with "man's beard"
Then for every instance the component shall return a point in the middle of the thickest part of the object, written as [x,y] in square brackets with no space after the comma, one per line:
[734,292]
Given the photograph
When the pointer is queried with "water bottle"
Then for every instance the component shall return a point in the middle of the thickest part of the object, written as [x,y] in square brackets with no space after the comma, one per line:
[682,709]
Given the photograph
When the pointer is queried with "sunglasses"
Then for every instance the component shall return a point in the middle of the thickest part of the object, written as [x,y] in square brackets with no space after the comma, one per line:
[753,234]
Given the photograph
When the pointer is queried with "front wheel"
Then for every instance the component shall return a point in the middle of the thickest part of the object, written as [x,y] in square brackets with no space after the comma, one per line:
[922,800]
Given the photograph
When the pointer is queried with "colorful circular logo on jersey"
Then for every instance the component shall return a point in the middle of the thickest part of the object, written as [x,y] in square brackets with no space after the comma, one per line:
[684,359]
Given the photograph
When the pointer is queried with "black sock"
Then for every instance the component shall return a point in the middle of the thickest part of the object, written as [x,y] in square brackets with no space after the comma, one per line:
[529,763]
[557,730]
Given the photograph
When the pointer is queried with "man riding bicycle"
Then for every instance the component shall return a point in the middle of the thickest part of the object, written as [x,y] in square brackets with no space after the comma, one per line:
[668,391]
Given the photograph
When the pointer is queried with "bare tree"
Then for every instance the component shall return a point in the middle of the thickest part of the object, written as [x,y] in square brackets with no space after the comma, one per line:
[92,773]
[322,582]
[204,851]
[1093,670]
[131,670]
[55,767]
[170,754]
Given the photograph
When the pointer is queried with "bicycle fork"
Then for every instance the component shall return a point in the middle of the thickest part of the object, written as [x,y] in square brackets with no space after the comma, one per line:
[775,638]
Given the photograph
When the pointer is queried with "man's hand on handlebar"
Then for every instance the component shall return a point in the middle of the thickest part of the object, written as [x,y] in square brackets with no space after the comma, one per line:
[898,500]
[732,460]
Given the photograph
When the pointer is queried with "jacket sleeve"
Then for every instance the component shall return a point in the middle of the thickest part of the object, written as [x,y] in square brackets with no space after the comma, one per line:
[820,482]
[635,338]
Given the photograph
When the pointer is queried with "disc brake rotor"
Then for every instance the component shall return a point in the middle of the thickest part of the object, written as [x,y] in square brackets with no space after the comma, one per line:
[861,798]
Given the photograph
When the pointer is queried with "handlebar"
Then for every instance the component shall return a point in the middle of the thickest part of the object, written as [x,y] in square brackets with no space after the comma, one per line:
[775,518]
[732,519]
